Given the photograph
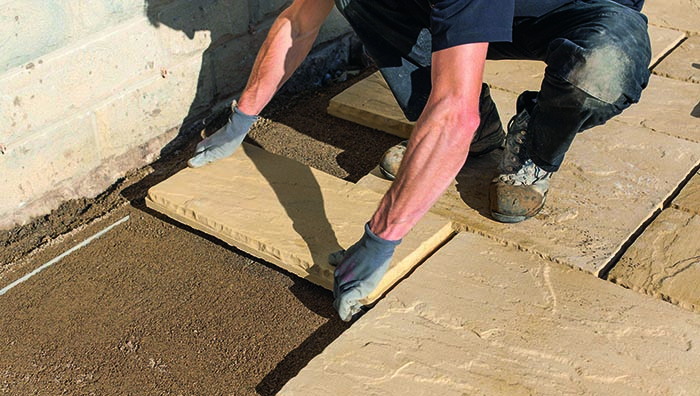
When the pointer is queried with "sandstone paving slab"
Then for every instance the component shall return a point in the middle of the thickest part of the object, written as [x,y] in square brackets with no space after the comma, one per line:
[370,103]
[688,198]
[615,177]
[683,63]
[480,318]
[514,76]
[286,213]
[669,106]
[663,41]
[665,260]
[674,14]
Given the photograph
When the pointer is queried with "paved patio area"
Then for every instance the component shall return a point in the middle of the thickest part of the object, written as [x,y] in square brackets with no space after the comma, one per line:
[573,301]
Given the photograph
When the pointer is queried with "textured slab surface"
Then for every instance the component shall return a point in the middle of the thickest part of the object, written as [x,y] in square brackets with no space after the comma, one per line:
[479,318]
[370,103]
[665,260]
[689,197]
[662,42]
[669,106]
[676,14]
[286,213]
[683,63]
[611,172]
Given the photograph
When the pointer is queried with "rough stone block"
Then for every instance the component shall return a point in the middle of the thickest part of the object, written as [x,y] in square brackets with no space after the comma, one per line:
[669,106]
[683,63]
[286,213]
[39,164]
[480,318]
[665,260]
[689,197]
[611,172]
[674,14]
[77,78]
[147,110]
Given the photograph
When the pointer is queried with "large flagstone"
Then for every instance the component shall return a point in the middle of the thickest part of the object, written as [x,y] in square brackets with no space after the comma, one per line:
[668,106]
[481,318]
[675,14]
[683,63]
[665,260]
[286,213]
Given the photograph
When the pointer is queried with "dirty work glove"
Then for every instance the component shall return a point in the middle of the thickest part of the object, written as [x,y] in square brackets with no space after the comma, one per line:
[359,270]
[225,141]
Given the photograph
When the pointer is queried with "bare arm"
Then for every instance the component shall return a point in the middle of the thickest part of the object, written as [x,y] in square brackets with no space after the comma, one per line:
[439,143]
[287,44]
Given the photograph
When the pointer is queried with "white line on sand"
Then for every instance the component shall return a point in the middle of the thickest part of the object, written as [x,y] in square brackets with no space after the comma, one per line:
[59,258]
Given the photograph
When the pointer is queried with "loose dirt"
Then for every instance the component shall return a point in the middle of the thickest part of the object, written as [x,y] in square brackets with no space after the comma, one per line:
[154,307]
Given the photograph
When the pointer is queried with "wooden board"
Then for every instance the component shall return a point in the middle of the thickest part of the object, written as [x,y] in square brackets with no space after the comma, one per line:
[287,214]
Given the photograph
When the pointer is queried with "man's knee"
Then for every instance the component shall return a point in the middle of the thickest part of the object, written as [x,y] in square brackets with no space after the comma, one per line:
[612,66]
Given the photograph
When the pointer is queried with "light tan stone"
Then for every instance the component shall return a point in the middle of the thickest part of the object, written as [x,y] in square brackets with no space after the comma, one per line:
[662,42]
[669,106]
[689,197]
[683,63]
[675,14]
[286,213]
[665,260]
[613,179]
[480,318]
[370,103]
[514,76]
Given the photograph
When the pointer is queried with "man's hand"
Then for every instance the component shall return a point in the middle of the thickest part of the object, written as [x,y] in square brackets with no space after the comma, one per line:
[359,270]
[225,141]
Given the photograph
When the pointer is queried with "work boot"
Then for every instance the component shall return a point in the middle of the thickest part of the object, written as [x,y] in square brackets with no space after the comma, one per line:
[488,137]
[519,192]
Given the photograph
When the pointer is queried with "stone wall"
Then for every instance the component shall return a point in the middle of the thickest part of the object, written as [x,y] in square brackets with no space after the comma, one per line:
[91,89]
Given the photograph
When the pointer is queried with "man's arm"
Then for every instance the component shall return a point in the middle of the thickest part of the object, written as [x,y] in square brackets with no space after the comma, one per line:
[287,44]
[439,143]
[435,153]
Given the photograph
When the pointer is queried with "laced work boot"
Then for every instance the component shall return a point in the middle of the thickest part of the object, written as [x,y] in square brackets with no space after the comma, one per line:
[519,192]
[488,137]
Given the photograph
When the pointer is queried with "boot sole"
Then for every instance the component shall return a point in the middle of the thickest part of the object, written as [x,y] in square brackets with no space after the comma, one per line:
[504,218]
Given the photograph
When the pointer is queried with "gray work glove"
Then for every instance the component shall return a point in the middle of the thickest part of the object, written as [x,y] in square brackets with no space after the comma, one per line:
[359,270]
[225,141]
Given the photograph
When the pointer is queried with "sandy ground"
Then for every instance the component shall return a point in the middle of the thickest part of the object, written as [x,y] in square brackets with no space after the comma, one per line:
[154,307]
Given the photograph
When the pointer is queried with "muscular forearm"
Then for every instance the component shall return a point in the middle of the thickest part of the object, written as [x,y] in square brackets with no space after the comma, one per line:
[439,144]
[287,44]
[430,164]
